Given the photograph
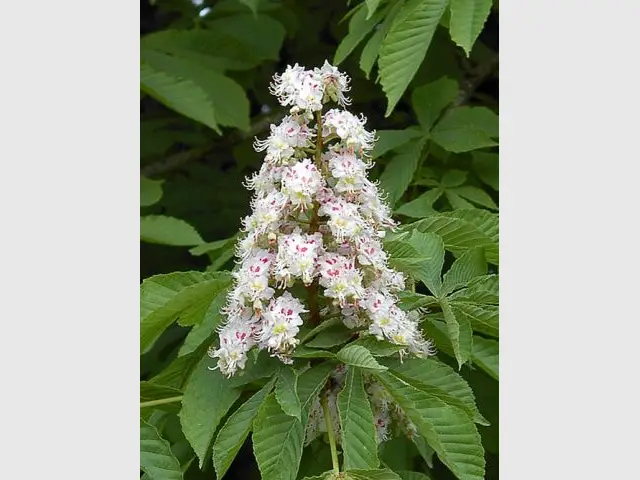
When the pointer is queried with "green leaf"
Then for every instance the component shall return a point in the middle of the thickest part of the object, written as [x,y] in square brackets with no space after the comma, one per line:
[225,101]
[389,139]
[468,266]
[372,5]
[384,474]
[429,100]
[358,356]
[486,167]
[482,318]
[446,428]
[453,178]
[476,195]
[405,46]
[456,200]
[466,128]
[420,255]
[303,352]
[399,172]
[236,430]
[372,48]
[156,458]
[181,94]
[485,355]
[378,348]
[467,19]
[359,445]
[459,234]
[286,392]
[159,396]
[262,34]
[331,337]
[277,442]
[359,26]
[212,246]
[441,381]
[411,301]
[208,396]
[168,231]
[324,325]
[150,191]
[406,475]
[177,372]
[459,331]
[311,382]
[253,6]
[181,296]
[421,206]
[202,331]
[481,290]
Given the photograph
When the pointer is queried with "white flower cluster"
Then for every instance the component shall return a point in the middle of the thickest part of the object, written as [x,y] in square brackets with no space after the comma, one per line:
[317,219]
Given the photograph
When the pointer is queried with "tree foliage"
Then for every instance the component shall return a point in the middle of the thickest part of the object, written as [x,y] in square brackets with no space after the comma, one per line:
[424,73]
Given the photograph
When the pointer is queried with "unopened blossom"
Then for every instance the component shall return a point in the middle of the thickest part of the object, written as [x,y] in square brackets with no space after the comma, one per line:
[315,228]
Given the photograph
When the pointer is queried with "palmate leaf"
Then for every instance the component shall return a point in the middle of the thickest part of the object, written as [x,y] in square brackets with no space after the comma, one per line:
[482,290]
[448,429]
[486,167]
[202,331]
[405,46]
[236,429]
[286,392]
[384,474]
[421,206]
[359,446]
[372,5]
[262,35]
[406,475]
[168,231]
[160,396]
[398,173]
[358,356]
[484,221]
[208,396]
[482,318]
[182,296]
[443,381]
[311,381]
[475,195]
[467,20]
[277,441]
[485,355]
[372,47]
[156,458]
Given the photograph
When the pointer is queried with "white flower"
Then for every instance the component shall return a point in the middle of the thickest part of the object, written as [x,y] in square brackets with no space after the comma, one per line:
[336,84]
[235,342]
[348,169]
[280,324]
[349,128]
[297,256]
[284,139]
[300,182]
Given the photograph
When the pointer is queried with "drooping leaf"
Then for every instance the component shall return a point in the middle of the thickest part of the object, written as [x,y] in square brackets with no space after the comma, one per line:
[420,255]
[485,355]
[405,46]
[277,441]
[286,392]
[459,331]
[168,231]
[150,191]
[429,100]
[358,356]
[397,175]
[156,458]
[360,25]
[444,382]
[372,47]
[390,139]
[208,396]
[468,266]
[181,296]
[467,20]
[466,128]
[236,429]
[359,446]
[448,429]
